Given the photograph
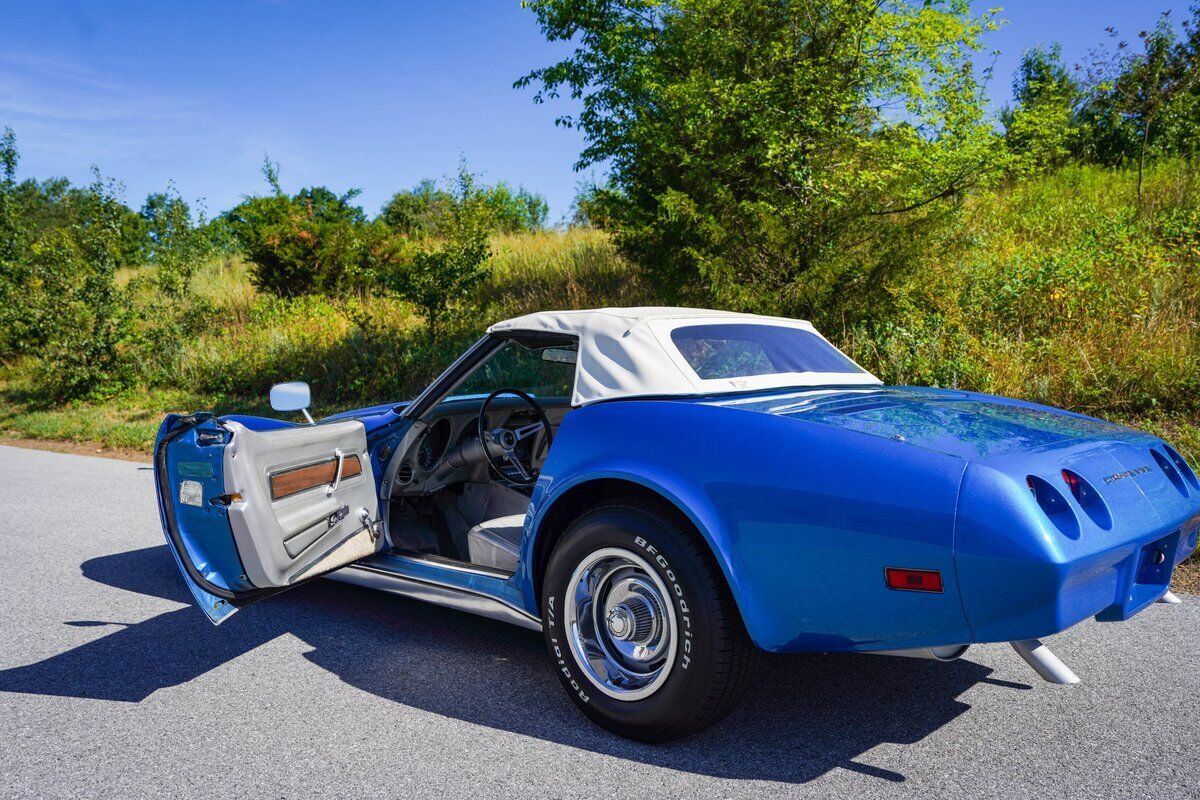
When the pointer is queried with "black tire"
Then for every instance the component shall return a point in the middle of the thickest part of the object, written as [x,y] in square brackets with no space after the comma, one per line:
[711,669]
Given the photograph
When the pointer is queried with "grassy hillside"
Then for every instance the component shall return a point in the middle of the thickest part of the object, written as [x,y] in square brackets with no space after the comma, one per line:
[1059,290]
[354,350]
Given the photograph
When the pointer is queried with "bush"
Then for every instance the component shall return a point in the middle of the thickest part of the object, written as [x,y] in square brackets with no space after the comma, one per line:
[313,242]
[50,233]
[440,272]
[426,209]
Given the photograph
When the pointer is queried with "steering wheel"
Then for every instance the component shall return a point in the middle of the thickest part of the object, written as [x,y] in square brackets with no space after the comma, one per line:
[505,440]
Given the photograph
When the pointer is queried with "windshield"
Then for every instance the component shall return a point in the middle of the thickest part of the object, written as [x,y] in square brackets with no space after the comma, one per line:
[541,372]
[725,351]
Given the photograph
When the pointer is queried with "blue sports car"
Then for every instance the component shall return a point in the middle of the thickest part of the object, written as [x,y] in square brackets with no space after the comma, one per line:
[664,492]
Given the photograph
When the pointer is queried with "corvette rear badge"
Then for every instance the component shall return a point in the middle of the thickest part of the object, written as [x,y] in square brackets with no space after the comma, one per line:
[1129,473]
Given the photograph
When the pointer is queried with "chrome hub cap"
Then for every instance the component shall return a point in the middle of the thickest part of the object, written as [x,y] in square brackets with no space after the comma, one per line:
[620,623]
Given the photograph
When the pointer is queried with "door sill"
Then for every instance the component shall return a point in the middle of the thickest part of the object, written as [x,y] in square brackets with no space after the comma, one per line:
[461,599]
[448,563]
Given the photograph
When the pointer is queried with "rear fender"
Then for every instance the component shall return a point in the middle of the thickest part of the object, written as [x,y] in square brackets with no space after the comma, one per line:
[801,518]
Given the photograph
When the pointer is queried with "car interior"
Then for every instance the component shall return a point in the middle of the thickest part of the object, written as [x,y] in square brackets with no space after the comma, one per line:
[468,467]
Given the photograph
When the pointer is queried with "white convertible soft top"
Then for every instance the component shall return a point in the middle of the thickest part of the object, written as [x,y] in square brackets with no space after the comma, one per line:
[629,352]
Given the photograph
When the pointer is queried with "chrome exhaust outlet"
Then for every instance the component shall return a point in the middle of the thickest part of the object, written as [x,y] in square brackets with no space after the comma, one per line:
[1044,662]
[947,652]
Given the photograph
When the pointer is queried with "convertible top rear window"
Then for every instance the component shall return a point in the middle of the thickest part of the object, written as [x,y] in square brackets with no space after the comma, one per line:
[741,350]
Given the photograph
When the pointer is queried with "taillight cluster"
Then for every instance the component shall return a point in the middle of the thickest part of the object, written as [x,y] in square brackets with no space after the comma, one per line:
[1055,506]
[1060,512]
[1175,468]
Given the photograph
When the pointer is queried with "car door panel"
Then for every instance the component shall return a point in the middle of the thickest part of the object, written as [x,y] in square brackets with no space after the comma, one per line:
[250,511]
[290,515]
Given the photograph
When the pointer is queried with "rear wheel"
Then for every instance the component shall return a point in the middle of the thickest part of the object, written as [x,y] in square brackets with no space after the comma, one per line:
[640,624]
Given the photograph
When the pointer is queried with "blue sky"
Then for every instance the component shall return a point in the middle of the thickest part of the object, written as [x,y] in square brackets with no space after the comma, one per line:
[370,95]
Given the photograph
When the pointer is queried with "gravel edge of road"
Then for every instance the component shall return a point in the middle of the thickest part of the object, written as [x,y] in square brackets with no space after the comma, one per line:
[86,448]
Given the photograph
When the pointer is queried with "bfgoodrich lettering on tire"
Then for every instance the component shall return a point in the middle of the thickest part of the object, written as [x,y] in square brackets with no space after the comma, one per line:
[640,625]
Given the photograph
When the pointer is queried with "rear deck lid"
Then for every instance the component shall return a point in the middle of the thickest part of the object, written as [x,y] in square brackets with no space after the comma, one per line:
[964,424]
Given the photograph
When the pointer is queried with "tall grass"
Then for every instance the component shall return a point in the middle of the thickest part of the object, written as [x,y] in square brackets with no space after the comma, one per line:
[1059,290]
[558,270]
[225,283]
[359,349]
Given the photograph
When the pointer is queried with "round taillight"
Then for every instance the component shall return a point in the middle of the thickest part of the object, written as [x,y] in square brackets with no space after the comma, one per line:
[1170,471]
[1088,498]
[1054,505]
[1181,464]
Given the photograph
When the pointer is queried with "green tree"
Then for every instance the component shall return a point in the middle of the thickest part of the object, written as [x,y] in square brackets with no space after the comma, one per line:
[11,296]
[9,230]
[1041,130]
[510,211]
[1178,123]
[50,232]
[176,244]
[443,271]
[1129,91]
[592,206]
[750,139]
[425,209]
[171,314]
[418,211]
[85,316]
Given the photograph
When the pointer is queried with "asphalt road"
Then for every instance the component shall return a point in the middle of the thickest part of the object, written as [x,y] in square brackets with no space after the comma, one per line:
[111,685]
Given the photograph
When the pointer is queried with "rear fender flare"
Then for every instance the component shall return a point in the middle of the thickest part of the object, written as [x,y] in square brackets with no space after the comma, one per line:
[693,504]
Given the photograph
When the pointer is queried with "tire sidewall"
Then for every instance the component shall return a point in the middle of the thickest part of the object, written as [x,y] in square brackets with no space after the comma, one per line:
[658,544]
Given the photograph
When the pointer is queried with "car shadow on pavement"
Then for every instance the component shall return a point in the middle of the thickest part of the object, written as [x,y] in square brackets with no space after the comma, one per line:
[805,715]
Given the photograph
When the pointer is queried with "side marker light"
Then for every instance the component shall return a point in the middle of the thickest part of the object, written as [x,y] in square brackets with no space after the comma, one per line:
[913,580]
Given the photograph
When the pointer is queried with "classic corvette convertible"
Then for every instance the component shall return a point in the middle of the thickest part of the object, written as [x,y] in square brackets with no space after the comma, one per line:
[664,492]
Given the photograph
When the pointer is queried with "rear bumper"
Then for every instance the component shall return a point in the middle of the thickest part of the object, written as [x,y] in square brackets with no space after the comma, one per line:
[1023,578]
[1146,574]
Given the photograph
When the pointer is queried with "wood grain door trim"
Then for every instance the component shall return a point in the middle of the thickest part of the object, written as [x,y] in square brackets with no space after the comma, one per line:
[288,482]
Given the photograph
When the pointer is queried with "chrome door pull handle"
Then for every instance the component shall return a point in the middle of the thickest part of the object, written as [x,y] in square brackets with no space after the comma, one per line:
[337,478]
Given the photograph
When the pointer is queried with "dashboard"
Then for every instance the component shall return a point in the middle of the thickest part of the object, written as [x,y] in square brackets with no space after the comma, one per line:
[452,424]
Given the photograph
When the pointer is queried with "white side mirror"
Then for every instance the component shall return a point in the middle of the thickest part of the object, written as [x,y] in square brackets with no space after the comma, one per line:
[293,396]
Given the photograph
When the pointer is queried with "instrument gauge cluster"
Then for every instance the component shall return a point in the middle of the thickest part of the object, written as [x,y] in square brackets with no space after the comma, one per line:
[432,445]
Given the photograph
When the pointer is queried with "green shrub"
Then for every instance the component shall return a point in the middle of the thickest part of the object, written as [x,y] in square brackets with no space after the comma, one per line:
[426,209]
[82,315]
[437,273]
[313,242]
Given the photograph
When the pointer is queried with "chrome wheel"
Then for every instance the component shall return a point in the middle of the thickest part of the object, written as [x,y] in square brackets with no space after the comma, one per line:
[620,623]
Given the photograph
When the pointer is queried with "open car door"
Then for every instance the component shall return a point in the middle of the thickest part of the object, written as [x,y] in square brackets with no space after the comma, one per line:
[251,511]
